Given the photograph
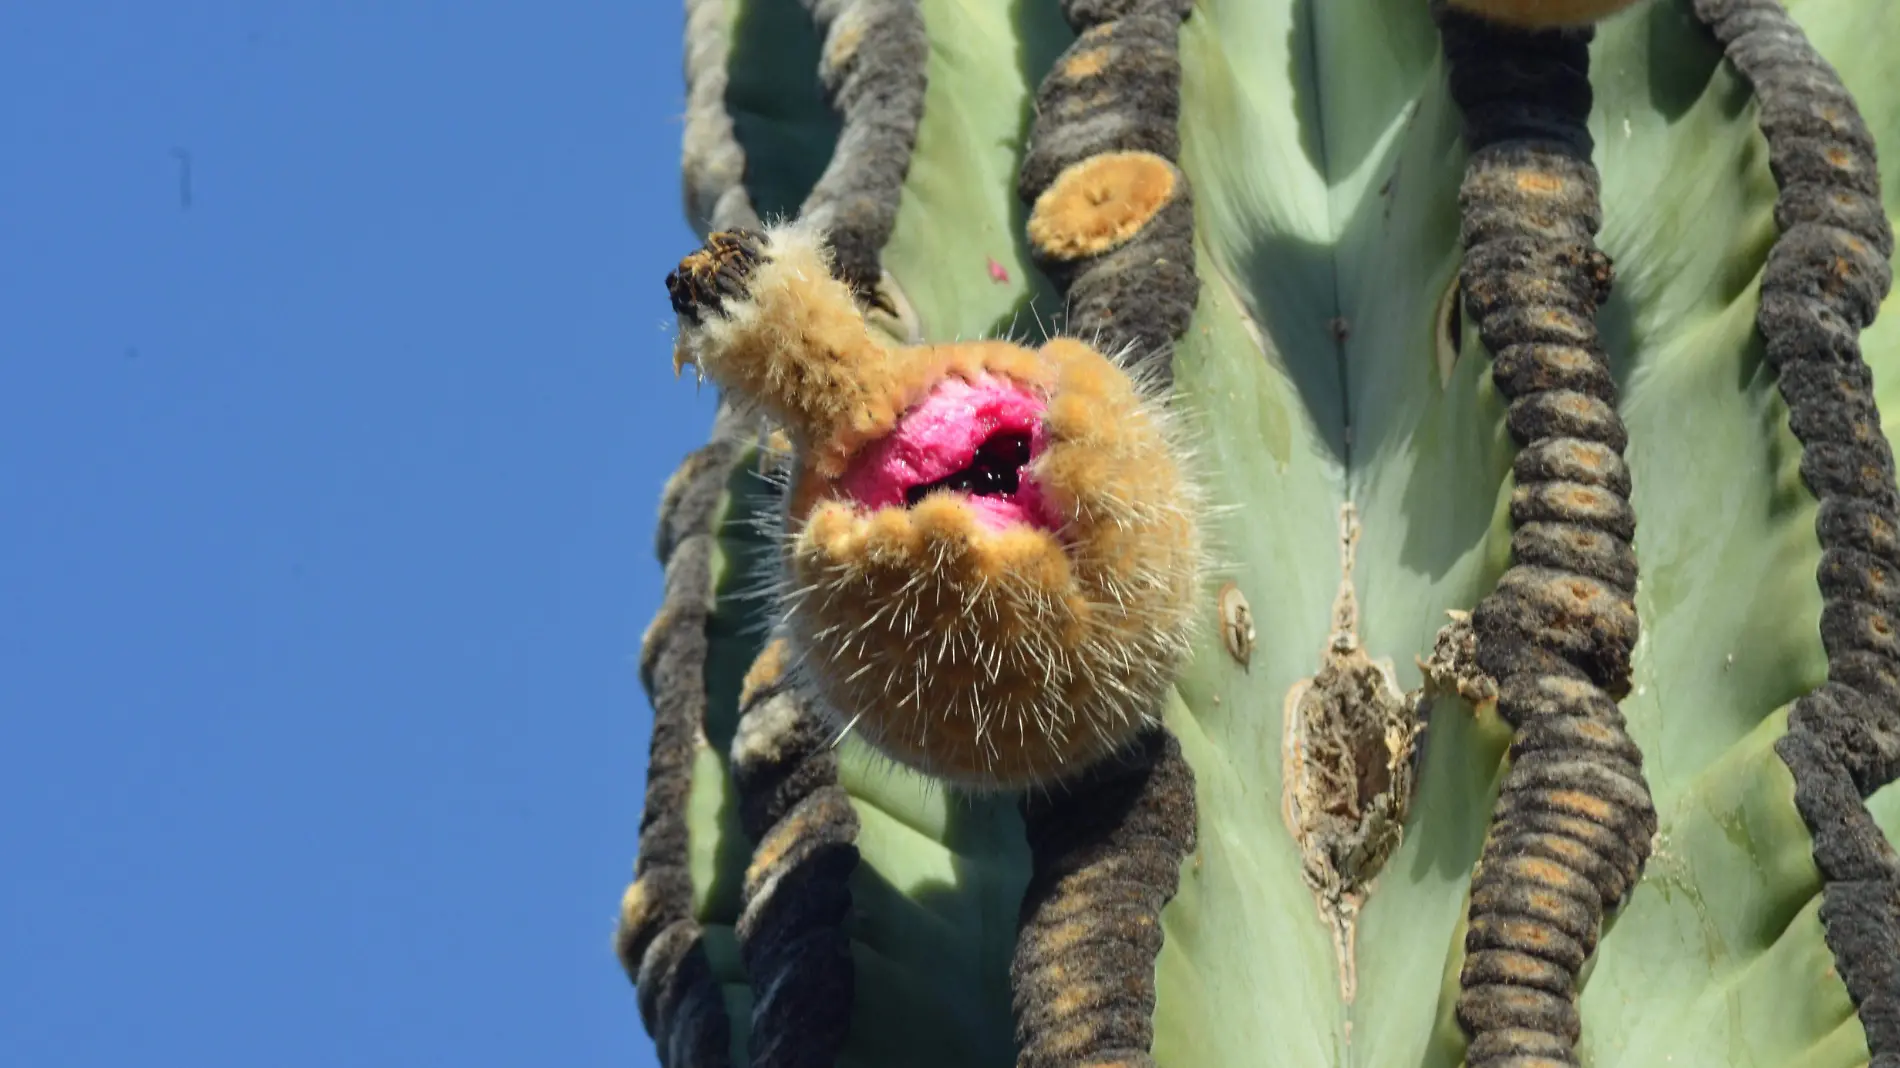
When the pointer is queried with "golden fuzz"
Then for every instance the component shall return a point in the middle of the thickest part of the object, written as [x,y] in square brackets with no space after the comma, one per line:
[798,348]
[766,671]
[1097,204]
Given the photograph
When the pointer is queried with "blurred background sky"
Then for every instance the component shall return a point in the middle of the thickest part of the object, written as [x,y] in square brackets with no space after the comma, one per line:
[335,402]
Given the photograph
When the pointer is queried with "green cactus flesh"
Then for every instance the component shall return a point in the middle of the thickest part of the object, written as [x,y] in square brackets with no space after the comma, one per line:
[1321,368]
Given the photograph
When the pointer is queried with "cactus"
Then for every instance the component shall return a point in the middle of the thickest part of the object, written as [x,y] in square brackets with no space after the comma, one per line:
[1297,532]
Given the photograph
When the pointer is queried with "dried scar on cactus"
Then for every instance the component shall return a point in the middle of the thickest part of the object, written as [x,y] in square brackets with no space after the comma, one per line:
[991,553]
[1348,750]
[1543,14]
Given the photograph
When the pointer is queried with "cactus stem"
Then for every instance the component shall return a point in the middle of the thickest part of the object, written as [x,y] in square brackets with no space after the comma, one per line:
[1826,277]
[1574,819]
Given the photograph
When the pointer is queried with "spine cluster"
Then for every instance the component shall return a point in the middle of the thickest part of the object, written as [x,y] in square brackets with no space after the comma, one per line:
[1826,277]
[1111,222]
[1111,219]
[659,942]
[1574,819]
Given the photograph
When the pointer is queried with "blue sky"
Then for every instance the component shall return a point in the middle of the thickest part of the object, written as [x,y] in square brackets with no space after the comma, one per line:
[327,489]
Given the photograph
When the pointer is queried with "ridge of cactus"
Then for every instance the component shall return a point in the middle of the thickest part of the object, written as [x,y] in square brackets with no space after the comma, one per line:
[1542,14]
[1826,276]
[872,67]
[658,937]
[1106,855]
[1563,848]
[712,162]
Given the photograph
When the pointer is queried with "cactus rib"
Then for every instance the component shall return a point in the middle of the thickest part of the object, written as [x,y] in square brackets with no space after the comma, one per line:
[1112,225]
[1107,854]
[791,933]
[1574,819]
[873,72]
[659,942]
[1106,129]
[1826,277]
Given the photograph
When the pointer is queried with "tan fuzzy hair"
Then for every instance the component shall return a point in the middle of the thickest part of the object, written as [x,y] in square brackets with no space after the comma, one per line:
[1014,657]
[796,347]
[1543,14]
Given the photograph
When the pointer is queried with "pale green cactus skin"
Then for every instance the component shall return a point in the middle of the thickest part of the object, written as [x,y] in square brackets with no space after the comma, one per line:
[1325,161]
